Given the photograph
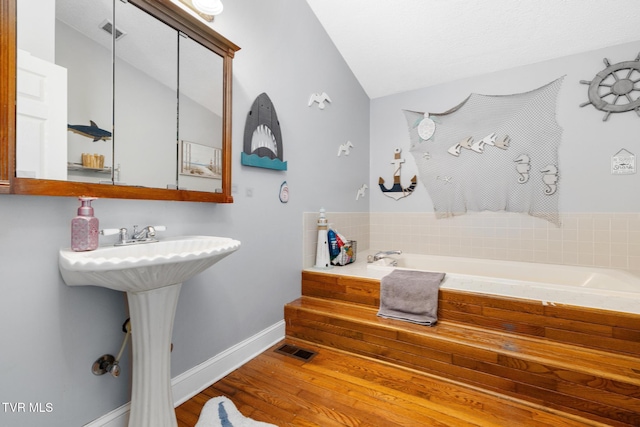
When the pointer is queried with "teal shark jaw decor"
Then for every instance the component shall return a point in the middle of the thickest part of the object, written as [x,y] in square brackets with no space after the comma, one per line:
[262,136]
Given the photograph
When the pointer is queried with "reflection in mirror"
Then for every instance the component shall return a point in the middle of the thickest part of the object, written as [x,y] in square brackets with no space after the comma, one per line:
[145,100]
[200,119]
[83,46]
[42,145]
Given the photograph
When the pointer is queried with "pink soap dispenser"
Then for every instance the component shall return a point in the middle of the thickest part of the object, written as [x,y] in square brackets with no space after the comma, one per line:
[84,227]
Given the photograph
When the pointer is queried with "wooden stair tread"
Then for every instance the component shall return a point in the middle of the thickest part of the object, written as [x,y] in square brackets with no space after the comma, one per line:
[613,332]
[578,360]
[588,361]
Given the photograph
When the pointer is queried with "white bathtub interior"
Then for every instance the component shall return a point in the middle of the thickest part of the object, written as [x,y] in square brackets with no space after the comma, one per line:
[550,284]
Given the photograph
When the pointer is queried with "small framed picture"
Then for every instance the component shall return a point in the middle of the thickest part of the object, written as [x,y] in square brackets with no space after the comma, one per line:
[200,160]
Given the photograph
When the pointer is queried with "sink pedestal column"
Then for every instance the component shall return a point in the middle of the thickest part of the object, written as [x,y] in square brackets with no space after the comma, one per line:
[152,314]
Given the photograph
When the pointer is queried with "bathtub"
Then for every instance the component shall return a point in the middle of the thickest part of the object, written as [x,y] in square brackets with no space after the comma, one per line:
[601,288]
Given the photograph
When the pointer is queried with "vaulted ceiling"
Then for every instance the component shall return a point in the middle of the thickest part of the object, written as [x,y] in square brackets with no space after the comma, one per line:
[394,46]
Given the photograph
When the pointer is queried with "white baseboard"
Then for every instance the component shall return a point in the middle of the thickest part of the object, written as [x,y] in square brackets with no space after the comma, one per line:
[196,379]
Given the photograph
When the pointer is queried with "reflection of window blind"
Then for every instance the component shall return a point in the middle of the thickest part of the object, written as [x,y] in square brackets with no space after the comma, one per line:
[485,176]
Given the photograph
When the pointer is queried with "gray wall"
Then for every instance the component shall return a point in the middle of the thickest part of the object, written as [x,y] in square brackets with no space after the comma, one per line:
[51,334]
[586,183]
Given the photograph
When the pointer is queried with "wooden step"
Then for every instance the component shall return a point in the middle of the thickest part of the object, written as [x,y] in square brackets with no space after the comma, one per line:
[602,386]
[587,327]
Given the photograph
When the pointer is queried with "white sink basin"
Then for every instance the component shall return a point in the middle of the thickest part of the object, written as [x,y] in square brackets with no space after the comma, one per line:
[138,268]
[151,274]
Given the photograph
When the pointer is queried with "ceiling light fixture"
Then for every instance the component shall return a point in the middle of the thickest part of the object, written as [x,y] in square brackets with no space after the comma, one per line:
[206,9]
[210,7]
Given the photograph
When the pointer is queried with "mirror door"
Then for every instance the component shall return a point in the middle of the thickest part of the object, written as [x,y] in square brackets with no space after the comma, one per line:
[200,118]
[145,100]
[145,90]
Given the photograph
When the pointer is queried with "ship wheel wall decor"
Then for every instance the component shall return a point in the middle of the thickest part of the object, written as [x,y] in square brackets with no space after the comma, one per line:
[616,89]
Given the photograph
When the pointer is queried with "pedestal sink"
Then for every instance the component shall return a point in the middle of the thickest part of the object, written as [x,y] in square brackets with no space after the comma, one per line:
[151,275]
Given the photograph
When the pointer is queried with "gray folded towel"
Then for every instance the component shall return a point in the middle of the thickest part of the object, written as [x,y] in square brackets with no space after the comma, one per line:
[410,295]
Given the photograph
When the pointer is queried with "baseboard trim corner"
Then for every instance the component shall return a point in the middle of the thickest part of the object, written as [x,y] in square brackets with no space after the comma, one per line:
[196,379]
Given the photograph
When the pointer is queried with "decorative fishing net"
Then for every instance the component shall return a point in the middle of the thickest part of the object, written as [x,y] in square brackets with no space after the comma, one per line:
[491,153]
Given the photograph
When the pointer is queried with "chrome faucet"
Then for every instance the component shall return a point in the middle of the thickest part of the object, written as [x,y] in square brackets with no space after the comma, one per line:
[146,235]
[384,254]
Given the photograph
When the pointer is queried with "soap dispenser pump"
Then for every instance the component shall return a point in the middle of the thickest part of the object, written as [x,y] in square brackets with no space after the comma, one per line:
[84,227]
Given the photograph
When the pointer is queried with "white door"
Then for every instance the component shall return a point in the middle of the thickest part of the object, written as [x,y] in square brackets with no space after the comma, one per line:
[41,119]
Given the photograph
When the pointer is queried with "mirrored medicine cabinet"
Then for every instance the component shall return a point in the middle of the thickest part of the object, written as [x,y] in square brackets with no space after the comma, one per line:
[134,102]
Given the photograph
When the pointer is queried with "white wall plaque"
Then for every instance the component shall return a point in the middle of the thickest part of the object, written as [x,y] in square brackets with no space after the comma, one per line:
[623,163]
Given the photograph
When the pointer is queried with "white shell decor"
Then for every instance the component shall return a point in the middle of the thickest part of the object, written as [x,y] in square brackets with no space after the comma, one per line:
[426,127]
[320,98]
[345,148]
[523,168]
[284,192]
[550,179]
[362,191]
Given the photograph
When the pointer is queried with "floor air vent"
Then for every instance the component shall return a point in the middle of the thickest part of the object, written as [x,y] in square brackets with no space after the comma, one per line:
[297,352]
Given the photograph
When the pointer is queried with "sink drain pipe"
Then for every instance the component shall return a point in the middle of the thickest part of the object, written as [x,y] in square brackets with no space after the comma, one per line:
[108,363]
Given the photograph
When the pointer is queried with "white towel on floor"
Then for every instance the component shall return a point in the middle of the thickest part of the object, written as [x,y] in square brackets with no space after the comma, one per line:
[221,412]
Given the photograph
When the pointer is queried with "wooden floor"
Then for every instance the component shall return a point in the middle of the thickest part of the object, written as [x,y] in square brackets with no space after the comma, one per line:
[340,389]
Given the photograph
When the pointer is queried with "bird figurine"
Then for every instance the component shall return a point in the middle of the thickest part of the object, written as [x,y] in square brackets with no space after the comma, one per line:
[345,148]
[361,191]
[320,98]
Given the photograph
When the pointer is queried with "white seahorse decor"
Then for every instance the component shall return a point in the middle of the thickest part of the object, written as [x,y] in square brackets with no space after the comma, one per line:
[523,167]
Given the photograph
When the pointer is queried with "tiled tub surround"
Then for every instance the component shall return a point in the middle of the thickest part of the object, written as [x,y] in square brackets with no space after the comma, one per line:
[609,240]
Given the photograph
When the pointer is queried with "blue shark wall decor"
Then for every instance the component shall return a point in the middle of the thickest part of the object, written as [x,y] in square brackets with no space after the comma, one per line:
[92,131]
[262,136]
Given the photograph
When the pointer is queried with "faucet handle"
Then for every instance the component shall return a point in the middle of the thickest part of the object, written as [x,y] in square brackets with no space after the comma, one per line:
[160,227]
[109,231]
